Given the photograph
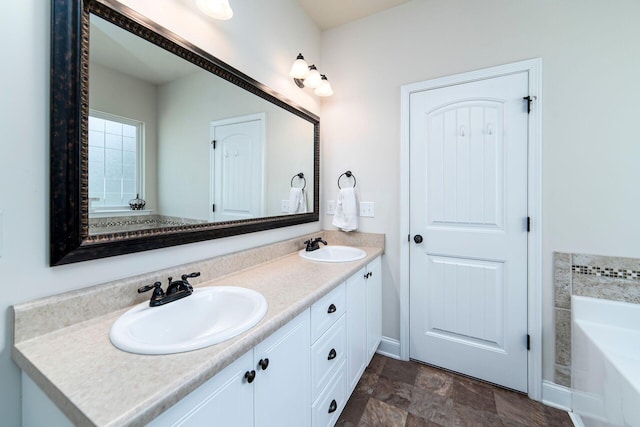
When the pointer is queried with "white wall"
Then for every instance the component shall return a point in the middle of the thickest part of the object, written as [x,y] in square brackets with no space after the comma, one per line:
[591,89]
[282,30]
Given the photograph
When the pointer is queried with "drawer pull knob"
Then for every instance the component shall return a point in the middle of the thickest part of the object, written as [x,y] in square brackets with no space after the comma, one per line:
[332,309]
[332,354]
[333,406]
[264,364]
[250,376]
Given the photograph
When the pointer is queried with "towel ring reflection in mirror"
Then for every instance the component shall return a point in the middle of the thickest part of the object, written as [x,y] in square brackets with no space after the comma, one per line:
[300,176]
[348,174]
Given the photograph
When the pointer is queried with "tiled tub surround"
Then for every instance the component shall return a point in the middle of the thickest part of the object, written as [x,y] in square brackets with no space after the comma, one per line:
[118,224]
[596,276]
[62,342]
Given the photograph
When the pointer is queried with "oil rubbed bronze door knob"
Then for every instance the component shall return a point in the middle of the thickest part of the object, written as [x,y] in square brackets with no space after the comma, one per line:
[417,238]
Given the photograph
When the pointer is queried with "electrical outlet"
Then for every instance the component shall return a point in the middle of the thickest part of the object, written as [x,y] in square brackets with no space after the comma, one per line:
[367,209]
[284,206]
[331,207]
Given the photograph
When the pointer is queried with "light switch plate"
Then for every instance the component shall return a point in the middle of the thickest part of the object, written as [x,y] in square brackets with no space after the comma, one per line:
[331,207]
[284,206]
[367,209]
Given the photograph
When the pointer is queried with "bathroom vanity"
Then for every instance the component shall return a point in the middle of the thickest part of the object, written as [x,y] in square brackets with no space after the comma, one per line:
[296,367]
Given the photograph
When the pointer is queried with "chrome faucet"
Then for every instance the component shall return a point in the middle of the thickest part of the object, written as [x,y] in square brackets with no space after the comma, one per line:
[314,244]
[175,290]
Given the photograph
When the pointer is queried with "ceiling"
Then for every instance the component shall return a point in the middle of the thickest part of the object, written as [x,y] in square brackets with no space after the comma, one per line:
[331,13]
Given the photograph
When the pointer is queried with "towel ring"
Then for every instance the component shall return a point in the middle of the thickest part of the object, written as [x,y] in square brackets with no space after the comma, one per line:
[301,176]
[348,174]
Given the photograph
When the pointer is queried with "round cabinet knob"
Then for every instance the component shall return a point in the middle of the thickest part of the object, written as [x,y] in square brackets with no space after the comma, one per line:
[417,238]
[332,309]
[264,364]
[332,354]
[333,406]
[250,376]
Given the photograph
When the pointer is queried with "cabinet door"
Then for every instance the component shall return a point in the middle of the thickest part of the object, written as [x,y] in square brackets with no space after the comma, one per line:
[283,387]
[356,328]
[224,400]
[374,306]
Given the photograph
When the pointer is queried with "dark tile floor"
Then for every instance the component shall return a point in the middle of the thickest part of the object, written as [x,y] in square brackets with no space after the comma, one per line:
[396,393]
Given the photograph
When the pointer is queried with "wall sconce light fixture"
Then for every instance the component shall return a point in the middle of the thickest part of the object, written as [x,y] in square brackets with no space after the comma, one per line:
[305,75]
[218,9]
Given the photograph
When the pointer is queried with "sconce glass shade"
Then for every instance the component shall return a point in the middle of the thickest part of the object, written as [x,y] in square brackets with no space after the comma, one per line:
[218,9]
[313,79]
[324,89]
[299,69]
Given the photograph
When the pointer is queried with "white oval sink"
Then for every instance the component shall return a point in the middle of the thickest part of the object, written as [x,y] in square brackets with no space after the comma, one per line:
[208,316]
[334,254]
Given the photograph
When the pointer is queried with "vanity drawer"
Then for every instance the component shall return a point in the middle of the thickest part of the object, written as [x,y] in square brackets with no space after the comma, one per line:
[327,354]
[327,408]
[326,311]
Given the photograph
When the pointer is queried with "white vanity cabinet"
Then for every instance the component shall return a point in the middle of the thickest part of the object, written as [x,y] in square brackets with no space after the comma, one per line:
[253,391]
[364,320]
[328,356]
[374,306]
[300,376]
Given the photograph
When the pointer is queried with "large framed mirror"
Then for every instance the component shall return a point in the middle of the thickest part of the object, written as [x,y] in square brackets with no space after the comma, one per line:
[156,143]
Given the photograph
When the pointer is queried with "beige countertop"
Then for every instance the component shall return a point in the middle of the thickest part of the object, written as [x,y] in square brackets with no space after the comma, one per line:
[94,383]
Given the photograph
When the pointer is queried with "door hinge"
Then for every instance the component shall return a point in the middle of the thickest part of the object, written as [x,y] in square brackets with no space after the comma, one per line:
[213,208]
[529,100]
[528,342]
[528,224]
[213,144]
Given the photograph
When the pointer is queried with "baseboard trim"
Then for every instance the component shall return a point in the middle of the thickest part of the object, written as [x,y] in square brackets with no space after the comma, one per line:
[576,420]
[389,347]
[556,395]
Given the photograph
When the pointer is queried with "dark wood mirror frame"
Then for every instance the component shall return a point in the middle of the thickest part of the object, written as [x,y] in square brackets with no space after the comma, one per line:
[69,217]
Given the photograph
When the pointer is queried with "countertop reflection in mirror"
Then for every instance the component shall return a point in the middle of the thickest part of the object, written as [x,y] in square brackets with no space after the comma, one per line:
[209,150]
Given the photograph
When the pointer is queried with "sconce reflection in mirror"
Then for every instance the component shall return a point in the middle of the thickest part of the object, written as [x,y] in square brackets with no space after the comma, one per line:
[218,9]
[308,76]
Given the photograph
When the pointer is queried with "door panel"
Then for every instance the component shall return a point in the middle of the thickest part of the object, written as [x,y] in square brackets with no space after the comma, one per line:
[468,278]
[466,300]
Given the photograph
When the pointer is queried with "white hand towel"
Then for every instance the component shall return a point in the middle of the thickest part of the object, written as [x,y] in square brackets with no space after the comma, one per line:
[345,216]
[297,201]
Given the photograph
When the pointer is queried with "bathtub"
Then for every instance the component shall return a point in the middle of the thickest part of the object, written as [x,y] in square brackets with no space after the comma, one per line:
[605,372]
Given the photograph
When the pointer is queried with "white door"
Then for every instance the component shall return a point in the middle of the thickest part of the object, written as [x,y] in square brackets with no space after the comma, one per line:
[468,203]
[237,168]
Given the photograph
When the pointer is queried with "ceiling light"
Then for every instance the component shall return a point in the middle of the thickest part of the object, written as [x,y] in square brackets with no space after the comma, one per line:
[218,9]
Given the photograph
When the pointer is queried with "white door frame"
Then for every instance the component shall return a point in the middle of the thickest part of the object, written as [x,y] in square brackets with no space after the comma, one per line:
[534,204]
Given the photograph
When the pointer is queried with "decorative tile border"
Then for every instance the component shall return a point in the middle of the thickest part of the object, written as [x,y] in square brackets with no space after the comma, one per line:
[606,272]
[595,276]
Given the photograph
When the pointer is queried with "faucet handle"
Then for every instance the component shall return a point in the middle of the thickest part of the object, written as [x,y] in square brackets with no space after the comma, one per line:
[157,290]
[187,276]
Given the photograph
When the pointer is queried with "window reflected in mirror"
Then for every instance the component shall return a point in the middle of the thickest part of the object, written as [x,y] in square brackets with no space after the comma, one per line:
[115,144]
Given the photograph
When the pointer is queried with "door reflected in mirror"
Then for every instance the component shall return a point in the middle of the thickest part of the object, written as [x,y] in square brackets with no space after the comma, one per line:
[197,148]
